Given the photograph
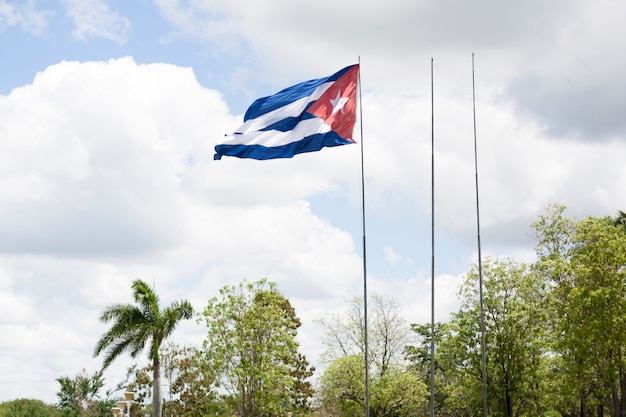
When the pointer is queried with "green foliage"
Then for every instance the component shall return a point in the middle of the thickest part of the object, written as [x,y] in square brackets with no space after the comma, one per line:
[397,393]
[592,312]
[134,326]
[512,301]
[342,387]
[24,407]
[80,396]
[419,361]
[554,330]
[252,349]
[584,262]
[79,392]
[419,356]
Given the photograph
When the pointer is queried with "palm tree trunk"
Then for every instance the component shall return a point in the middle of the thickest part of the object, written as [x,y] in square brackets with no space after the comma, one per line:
[157,402]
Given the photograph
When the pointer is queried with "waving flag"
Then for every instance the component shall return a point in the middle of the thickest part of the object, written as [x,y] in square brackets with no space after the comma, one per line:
[302,118]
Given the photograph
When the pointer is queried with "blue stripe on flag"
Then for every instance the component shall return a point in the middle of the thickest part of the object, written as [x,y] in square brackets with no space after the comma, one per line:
[288,95]
[308,144]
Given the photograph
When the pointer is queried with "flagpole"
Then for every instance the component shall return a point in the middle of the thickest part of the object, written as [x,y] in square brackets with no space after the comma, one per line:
[366,348]
[432,262]
[480,267]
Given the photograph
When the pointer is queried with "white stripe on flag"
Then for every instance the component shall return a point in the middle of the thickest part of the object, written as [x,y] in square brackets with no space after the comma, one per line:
[293,109]
[271,138]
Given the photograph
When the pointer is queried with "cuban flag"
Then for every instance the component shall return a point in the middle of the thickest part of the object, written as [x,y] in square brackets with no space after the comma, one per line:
[302,118]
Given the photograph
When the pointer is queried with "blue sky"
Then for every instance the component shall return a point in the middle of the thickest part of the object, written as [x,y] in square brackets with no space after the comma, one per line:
[109,111]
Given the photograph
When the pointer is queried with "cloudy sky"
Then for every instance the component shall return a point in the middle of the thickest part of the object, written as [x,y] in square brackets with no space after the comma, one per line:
[109,112]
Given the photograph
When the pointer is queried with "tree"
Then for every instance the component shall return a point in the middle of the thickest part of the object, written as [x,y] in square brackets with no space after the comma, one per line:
[513,299]
[342,387]
[251,346]
[419,356]
[341,391]
[388,332]
[397,393]
[135,326]
[25,407]
[595,342]
[589,301]
[419,359]
[80,396]
[191,384]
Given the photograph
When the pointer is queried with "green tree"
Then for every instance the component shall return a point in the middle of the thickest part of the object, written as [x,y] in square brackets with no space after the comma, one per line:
[251,346]
[25,407]
[513,298]
[419,359]
[595,341]
[81,395]
[78,395]
[554,234]
[135,326]
[397,393]
[586,268]
[342,387]
[419,355]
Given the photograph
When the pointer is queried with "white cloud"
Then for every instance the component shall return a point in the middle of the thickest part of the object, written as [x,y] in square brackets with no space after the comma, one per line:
[210,21]
[24,15]
[104,159]
[391,256]
[94,18]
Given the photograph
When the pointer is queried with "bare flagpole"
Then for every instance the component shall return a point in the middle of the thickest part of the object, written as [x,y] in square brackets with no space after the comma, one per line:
[367,366]
[432,263]
[480,267]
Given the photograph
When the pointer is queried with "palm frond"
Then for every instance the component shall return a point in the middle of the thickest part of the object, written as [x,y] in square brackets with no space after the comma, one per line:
[145,296]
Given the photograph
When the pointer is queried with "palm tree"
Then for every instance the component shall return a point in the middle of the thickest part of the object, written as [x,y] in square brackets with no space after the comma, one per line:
[134,326]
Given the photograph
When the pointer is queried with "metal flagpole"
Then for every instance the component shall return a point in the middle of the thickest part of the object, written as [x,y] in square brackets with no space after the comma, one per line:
[432,263]
[480,267]
[367,386]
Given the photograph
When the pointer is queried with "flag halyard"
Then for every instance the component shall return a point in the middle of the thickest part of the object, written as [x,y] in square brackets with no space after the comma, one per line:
[302,118]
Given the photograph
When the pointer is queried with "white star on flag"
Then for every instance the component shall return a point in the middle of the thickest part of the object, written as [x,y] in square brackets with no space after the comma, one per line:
[338,103]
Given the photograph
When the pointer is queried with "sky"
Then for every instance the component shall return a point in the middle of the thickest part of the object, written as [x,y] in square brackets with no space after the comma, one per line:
[110,110]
